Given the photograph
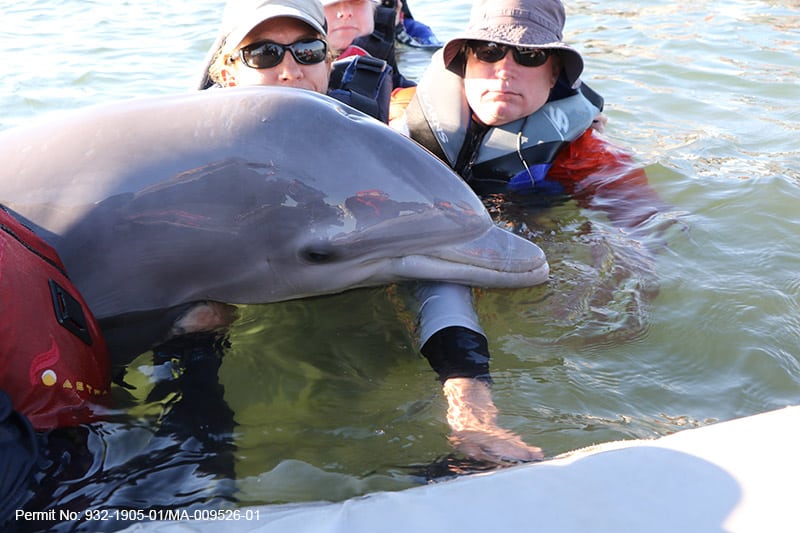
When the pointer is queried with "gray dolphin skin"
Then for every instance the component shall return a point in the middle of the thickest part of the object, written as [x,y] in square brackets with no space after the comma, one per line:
[247,195]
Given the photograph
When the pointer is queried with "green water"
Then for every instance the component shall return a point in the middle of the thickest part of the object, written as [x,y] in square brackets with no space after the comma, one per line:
[696,323]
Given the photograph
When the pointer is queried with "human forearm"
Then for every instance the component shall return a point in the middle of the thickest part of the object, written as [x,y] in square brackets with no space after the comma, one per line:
[472,417]
[458,351]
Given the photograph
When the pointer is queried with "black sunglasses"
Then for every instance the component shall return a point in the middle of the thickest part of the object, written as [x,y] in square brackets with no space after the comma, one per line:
[490,52]
[267,54]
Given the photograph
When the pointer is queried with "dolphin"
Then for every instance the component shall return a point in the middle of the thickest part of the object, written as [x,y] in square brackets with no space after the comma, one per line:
[247,195]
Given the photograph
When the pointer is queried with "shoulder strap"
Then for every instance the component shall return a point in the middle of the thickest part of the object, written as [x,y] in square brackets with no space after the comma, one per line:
[363,82]
[441,109]
[420,130]
[376,46]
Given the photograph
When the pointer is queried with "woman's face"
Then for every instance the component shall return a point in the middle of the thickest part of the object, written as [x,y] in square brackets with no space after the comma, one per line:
[287,73]
[348,20]
[505,91]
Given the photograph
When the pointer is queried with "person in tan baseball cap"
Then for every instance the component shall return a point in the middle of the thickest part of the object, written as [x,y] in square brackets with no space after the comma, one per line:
[271,42]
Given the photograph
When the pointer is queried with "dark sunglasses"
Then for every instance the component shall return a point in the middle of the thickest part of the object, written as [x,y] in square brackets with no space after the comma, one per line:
[266,54]
[490,52]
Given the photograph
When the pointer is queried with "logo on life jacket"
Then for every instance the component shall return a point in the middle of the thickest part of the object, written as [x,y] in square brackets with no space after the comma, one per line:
[559,119]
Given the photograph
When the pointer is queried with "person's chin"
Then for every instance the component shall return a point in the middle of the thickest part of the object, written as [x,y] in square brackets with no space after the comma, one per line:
[498,114]
[341,39]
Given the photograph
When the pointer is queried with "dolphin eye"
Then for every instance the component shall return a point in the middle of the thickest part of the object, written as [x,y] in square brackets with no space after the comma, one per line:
[318,254]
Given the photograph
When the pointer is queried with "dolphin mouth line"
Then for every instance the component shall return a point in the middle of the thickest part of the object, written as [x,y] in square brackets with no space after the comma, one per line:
[500,265]
[430,268]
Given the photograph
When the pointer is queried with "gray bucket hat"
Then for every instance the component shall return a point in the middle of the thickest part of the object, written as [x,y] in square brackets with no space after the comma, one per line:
[522,23]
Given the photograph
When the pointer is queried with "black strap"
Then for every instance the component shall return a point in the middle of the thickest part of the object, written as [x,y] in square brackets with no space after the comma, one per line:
[469,150]
[362,83]
[367,76]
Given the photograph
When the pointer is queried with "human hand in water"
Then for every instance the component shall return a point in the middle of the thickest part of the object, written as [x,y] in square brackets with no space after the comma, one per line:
[599,122]
[204,316]
[472,416]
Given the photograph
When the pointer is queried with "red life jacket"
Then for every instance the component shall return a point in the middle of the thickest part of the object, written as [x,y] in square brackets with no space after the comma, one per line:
[54,363]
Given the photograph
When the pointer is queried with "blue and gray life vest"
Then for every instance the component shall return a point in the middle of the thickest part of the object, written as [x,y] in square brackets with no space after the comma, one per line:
[513,157]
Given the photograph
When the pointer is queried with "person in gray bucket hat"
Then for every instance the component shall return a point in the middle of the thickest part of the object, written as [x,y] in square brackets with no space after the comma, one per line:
[503,105]
[509,69]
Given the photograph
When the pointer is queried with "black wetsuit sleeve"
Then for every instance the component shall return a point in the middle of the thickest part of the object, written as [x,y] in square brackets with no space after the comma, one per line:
[457,351]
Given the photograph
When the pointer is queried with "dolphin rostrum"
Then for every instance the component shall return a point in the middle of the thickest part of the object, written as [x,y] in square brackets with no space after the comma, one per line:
[247,195]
